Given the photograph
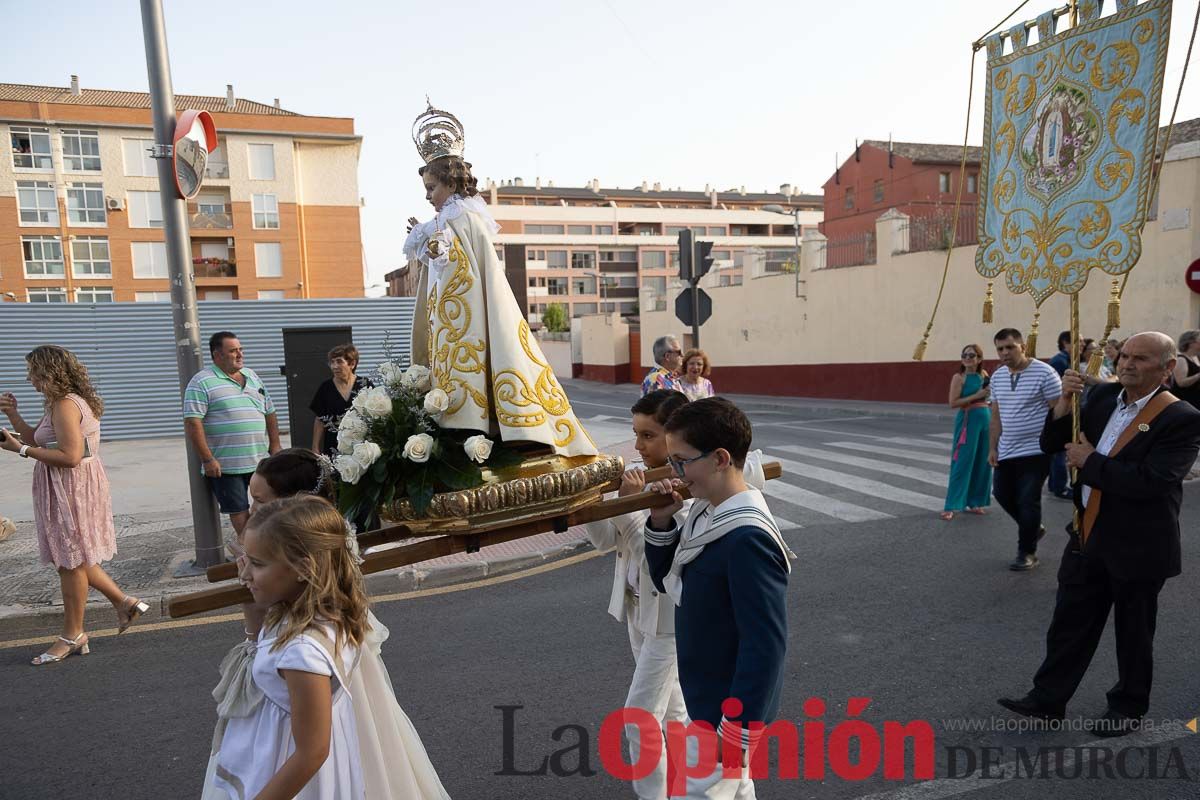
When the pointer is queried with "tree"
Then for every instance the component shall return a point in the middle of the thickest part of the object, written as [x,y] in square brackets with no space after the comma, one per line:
[555,318]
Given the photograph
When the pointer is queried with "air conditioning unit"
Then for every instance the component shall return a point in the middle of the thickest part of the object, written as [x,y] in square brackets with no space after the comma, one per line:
[114,204]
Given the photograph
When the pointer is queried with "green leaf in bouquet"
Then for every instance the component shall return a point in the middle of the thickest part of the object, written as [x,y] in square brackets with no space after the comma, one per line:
[502,457]
[420,488]
[379,471]
[456,474]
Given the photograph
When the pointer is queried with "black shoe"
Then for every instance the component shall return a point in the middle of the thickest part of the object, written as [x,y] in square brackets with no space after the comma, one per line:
[1113,724]
[1023,562]
[1028,707]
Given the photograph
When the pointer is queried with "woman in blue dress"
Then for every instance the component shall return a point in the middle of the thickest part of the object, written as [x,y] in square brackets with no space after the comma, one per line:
[970,486]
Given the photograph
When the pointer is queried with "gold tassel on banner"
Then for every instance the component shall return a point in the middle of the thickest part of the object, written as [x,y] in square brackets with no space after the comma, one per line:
[1031,339]
[919,353]
[989,305]
[1114,306]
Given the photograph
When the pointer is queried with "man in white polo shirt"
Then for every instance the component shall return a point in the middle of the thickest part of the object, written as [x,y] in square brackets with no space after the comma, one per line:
[1022,389]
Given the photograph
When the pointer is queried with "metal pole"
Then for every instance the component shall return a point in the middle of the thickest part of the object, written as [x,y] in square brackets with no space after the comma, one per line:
[188,356]
[796,233]
[1075,399]
[695,312]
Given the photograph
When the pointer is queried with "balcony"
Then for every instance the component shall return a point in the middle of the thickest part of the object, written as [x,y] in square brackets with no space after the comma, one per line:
[210,217]
[216,169]
[214,268]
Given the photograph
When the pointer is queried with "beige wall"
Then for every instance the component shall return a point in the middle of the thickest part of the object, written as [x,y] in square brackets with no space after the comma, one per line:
[328,173]
[558,356]
[605,340]
[877,312]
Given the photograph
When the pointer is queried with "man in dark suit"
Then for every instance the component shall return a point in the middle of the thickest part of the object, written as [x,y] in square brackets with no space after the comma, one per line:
[1128,490]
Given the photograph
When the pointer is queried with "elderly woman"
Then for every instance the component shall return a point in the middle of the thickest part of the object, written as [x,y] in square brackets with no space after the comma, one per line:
[694,379]
[334,396]
[1186,379]
[668,355]
[72,507]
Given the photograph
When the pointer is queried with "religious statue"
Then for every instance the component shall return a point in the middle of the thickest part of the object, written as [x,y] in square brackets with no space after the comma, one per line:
[467,327]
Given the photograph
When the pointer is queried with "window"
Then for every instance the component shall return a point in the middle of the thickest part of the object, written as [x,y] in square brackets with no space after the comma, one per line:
[81,150]
[877,194]
[697,230]
[556,259]
[579,309]
[262,162]
[604,230]
[718,230]
[583,285]
[972,183]
[145,210]
[217,294]
[149,259]
[266,211]
[43,256]
[151,297]
[270,294]
[31,147]
[535,255]
[94,294]
[85,203]
[675,230]
[579,230]
[721,255]
[556,286]
[585,259]
[849,203]
[618,257]
[89,257]
[56,295]
[654,259]
[268,260]
[218,162]
[550,229]
[36,203]
[657,283]
[943,181]
[138,162]
[212,204]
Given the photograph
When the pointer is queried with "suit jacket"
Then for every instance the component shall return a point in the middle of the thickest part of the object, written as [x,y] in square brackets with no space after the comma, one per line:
[1136,533]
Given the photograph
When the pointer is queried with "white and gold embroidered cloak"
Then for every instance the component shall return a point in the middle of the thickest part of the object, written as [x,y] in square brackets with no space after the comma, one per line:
[469,331]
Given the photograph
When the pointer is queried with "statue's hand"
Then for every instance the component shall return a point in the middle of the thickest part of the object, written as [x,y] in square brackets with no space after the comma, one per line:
[412,223]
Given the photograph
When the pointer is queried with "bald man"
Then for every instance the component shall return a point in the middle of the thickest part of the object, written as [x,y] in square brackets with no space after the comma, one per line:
[1128,492]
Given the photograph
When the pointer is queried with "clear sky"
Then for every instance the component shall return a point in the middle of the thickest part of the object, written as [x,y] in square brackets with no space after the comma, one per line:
[752,93]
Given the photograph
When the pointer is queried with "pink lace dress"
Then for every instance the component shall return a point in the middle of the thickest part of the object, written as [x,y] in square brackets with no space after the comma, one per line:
[73,507]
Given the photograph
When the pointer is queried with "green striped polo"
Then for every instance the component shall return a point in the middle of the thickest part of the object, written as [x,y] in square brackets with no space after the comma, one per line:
[235,423]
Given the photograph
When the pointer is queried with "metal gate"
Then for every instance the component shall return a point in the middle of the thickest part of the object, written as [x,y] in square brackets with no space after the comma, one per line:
[129,353]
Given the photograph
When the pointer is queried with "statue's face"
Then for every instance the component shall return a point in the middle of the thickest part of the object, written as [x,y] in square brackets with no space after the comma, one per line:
[436,192]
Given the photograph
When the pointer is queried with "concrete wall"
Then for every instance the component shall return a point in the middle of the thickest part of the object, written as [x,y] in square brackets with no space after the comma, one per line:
[558,355]
[604,340]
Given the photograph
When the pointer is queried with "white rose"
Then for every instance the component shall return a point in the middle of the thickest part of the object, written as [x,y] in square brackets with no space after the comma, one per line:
[436,402]
[417,377]
[391,373]
[478,448]
[348,468]
[377,403]
[418,447]
[367,453]
[347,441]
[353,425]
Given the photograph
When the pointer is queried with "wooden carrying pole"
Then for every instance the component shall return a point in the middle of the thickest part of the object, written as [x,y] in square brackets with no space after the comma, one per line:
[224,596]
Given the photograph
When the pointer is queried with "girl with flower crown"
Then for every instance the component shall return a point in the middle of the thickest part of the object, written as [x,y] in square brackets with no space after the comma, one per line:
[467,327]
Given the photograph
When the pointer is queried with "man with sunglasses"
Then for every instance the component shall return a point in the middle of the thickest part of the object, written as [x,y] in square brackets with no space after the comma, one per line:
[668,355]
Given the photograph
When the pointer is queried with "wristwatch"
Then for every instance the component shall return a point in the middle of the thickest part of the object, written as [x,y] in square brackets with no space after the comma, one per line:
[24,451]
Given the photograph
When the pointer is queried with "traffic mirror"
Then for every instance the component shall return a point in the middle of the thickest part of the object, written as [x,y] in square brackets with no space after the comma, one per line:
[195,138]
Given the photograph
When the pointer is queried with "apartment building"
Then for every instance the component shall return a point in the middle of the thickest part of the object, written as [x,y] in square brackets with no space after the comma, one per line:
[595,249]
[81,218]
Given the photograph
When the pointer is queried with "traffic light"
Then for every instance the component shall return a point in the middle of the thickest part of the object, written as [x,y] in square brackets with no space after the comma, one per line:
[685,255]
[703,262]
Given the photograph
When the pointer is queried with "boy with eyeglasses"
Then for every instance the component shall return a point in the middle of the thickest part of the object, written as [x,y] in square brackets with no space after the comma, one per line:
[726,569]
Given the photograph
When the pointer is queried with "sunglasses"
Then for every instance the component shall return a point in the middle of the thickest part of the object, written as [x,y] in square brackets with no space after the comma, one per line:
[679,464]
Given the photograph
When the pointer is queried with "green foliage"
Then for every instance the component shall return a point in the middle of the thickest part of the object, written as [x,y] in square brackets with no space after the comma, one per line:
[555,318]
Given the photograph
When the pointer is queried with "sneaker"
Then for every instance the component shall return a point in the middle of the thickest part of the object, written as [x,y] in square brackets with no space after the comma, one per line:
[1023,562]
[7,528]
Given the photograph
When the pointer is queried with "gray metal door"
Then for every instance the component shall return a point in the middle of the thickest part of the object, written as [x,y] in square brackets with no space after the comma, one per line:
[306,367]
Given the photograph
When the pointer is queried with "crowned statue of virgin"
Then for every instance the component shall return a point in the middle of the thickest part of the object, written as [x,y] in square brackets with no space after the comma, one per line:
[467,327]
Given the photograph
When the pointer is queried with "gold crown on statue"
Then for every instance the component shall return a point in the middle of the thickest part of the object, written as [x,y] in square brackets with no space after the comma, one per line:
[438,134]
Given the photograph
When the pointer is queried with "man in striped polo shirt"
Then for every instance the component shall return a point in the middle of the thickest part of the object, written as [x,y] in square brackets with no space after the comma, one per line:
[1023,388]
[230,420]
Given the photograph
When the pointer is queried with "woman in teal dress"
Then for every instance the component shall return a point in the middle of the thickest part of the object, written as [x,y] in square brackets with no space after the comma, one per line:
[970,486]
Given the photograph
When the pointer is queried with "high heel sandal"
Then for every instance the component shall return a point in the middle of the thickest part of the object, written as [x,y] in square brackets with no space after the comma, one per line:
[131,608]
[73,646]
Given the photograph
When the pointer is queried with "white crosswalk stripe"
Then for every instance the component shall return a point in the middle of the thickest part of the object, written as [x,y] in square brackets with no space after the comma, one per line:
[873,488]
[892,451]
[941,435]
[785,524]
[829,506]
[939,446]
[888,467]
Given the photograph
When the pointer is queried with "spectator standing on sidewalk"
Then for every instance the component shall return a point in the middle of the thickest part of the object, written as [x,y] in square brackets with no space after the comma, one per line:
[694,378]
[970,485]
[230,420]
[72,505]
[334,397]
[1058,462]
[1186,375]
[669,357]
[1022,389]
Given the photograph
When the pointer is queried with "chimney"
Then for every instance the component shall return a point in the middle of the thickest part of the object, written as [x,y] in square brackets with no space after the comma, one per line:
[657,186]
[645,186]
[550,184]
[537,182]
[230,100]
[277,102]
[707,188]
[742,190]
[890,150]
[518,181]
[857,155]
[837,169]
[712,197]
[595,184]
[494,192]
[785,189]
[75,85]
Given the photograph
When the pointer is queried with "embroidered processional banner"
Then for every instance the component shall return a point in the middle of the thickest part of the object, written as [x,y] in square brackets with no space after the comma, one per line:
[1069,135]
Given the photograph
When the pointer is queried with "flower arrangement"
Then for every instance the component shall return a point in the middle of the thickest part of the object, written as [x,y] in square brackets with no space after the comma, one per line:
[391,446]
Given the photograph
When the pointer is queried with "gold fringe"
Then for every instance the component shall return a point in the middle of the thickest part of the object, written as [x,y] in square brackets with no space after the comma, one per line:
[989,305]
[1031,339]
[919,353]
[1114,306]
[1095,362]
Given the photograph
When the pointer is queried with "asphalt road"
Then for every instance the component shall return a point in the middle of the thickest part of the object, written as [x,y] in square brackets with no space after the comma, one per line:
[918,615]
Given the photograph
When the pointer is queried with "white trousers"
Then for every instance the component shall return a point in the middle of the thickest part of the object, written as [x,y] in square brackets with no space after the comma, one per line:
[655,688]
[713,786]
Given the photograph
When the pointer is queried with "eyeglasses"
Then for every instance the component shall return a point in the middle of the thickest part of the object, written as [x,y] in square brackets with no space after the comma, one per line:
[674,353]
[679,464]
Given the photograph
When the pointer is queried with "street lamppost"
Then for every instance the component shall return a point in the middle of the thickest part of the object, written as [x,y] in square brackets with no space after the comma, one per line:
[602,284]
[794,213]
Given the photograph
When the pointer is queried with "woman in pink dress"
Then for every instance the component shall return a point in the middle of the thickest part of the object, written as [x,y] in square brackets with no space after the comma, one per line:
[71,502]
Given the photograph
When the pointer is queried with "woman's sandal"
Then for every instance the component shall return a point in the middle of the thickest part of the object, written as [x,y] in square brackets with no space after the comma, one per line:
[979,512]
[73,646]
[947,516]
[130,609]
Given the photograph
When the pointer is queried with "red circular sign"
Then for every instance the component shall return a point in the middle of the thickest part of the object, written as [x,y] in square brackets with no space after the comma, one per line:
[1192,276]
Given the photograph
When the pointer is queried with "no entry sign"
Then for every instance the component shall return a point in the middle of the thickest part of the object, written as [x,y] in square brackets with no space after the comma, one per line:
[1192,276]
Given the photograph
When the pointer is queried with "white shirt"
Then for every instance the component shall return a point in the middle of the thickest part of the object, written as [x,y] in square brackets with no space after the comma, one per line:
[1122,415]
